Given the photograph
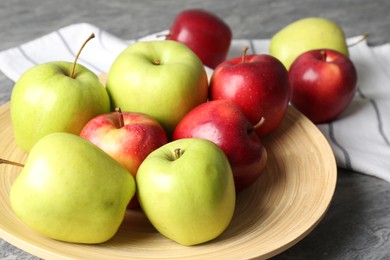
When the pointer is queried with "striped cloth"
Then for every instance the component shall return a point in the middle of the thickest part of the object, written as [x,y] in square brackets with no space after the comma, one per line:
[360,137]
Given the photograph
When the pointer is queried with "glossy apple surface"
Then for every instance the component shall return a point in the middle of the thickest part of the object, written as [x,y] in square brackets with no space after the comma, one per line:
[186,189]
[163,79]
[258,84]
[223,123]
[205,33]
[127,137]
[323,83]
[46,99]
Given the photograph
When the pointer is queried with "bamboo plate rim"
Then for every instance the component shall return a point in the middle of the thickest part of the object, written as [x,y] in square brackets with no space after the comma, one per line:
[281,208]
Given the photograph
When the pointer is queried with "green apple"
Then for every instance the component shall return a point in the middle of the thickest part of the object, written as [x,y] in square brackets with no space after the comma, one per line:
[186,190]
[304,35]
[55,97]
[163,79]
[70,190]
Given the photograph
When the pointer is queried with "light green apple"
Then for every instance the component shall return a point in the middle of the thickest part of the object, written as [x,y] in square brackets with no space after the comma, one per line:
[70,190]
[46,99]
[186,190]
[304,35]
[163,79]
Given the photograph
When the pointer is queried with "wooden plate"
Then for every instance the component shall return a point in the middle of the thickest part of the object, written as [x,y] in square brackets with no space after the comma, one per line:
[281,208]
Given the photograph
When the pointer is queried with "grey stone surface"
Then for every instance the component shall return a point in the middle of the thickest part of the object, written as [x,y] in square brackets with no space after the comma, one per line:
[357,225]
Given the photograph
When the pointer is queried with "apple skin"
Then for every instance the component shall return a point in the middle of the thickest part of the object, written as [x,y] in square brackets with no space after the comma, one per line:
[127,137]
[45,99]
[70,190]
[223,123]
[205,33]
[323,83]
[306,34]
[259,86]
[190,197]
[163,79]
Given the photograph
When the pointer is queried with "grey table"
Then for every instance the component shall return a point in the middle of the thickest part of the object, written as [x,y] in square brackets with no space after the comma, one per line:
[357,225]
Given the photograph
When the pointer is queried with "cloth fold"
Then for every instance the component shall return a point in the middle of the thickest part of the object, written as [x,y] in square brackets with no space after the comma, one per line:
[360,137]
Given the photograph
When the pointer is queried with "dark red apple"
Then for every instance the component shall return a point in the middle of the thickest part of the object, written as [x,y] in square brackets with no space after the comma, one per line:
[323,83]
[127,137]
[204,33]
[222,122]
[258,84]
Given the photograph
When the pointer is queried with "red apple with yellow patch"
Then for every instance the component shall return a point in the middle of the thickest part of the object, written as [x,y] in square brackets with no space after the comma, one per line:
[127,137]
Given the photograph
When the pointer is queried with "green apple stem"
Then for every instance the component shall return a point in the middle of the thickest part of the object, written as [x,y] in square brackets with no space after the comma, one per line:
[157,62]
[178,153]
[3,161]
[78,54]
[364,36]
[244,54]
[121,120]
[260,123]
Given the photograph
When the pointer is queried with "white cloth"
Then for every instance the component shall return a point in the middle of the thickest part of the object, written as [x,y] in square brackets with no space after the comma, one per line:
[360,138]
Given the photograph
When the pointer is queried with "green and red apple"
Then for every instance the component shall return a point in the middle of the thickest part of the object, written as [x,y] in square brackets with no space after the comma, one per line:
[128,137]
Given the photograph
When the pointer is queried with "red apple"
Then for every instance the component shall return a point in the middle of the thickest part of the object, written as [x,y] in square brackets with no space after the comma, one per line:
[127,137]
[323,83]
[258,84]
[204,33]
[222,122]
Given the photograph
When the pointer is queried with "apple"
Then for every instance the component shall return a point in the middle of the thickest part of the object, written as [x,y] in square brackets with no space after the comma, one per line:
[70,190]
[127,137]
[223,123]
[186,190]
[307,34]
[163,79]
[205,33]
[55,97]
[323,83]
[258,84]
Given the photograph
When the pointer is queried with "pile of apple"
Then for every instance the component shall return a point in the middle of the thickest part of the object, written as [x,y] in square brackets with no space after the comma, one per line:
[160,135]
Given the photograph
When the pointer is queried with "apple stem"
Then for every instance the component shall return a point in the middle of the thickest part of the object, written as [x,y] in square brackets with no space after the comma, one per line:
[364,36]
[260,123]
[163,34]
[11,163]
[78,54]
[178,153]
[244,53]
[121,120]
[157,62]
[323,55]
